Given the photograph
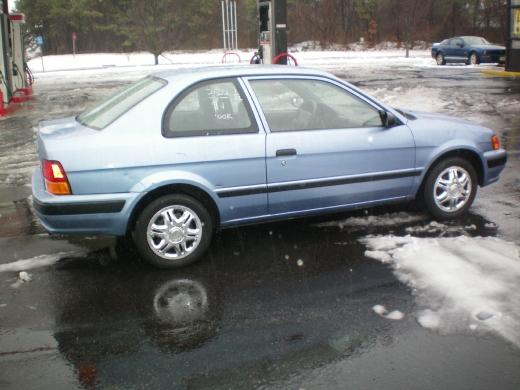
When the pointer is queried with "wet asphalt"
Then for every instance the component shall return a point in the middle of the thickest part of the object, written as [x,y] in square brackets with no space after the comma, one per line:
[277,306]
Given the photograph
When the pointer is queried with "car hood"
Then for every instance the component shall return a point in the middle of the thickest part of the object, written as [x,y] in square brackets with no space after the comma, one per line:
[413,115]
[428,127]
[488,47]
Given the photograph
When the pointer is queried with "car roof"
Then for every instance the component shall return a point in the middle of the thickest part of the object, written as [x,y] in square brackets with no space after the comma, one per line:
[217,71]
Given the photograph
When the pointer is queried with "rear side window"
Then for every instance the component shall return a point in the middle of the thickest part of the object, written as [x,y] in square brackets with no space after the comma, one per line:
[215,107]
[103,114]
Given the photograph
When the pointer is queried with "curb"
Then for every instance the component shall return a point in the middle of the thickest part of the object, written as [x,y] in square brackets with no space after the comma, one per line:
[499,73]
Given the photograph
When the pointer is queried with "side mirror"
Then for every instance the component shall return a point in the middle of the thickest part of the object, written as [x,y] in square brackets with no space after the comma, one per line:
[388,119]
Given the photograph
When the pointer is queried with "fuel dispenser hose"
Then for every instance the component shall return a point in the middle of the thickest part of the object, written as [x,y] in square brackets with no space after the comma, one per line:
[2,81]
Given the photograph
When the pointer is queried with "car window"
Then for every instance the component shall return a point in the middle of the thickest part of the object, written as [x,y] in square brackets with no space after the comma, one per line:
[456,42]
[298,104]
[209,108]
[104,113]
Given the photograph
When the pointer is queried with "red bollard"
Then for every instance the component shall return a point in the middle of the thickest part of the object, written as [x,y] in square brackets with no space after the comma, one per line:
[2,110]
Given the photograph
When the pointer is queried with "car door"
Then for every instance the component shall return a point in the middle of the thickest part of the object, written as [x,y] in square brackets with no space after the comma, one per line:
[212,138]
[456,50]
[326,146]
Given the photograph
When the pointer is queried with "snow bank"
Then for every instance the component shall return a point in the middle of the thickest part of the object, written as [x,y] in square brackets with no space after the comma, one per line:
[326,59]
[138,59]
[461,283]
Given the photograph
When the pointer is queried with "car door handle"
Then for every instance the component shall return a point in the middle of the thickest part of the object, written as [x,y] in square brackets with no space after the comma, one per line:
[285,152]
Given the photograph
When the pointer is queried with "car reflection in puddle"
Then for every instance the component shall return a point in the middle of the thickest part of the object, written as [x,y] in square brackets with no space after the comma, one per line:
[264,303]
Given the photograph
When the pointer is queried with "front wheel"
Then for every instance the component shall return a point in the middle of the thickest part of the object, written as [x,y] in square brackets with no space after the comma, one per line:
[173,231]
[450,188]
[440,59]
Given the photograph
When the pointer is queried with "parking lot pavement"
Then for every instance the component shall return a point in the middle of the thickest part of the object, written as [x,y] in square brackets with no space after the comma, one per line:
[296,304]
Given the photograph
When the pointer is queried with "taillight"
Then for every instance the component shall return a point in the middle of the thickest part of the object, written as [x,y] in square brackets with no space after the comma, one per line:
[55,177]
[495,142]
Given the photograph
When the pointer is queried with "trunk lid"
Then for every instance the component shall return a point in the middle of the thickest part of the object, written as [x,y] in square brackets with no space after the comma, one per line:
[54,136]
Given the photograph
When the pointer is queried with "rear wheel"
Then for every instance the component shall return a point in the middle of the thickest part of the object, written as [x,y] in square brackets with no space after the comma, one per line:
[450,188]
[173,231]
[473,59]
[440,59]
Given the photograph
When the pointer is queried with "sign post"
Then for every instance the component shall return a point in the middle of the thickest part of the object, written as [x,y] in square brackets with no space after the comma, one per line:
[39,42]
[513,41]
[74,38]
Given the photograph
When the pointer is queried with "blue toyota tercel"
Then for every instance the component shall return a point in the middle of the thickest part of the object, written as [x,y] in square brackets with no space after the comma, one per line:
[178,154]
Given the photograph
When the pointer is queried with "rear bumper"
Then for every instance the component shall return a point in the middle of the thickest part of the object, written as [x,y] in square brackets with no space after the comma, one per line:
[495,162]
[81,214]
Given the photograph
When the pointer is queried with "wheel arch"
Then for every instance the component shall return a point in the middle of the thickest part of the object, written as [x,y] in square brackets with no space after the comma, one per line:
[470,155]
[175,188]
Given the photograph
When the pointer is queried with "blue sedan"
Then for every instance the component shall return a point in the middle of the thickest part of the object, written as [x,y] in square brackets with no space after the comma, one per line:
[469,50]
[178,154]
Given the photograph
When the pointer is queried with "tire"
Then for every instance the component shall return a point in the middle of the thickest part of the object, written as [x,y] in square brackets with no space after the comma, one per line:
[182,233]
[473,59]
[450,188]
[440,59]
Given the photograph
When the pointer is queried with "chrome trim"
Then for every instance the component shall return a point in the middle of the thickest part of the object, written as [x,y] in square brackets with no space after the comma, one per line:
[320,182]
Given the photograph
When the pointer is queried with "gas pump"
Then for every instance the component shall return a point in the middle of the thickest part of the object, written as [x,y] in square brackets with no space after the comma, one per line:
[19,80]
[15,86]
[5,59]
[272,41]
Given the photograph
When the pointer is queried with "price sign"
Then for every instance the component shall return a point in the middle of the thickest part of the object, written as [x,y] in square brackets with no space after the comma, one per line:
[516,22]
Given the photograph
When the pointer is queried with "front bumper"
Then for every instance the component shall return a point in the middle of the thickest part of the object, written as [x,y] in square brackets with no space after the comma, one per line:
[495,161]
[81,214]
[493,58]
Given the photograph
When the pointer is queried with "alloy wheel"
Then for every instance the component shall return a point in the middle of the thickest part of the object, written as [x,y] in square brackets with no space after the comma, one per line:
[452,189]
[174,232]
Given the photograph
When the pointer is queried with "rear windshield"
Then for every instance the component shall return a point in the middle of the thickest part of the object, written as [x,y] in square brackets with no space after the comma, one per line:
[476,41]
[104,113]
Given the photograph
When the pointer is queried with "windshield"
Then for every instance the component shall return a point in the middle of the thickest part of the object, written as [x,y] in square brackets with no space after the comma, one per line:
[104,113]
[476,41]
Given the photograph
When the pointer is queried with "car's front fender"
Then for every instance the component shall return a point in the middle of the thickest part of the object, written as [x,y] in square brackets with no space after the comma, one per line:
[427,157]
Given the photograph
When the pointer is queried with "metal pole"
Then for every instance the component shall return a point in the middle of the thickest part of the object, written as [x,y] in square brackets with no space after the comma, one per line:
[231,26]
[236,26]
[227,25]
[231,22]
[223,26]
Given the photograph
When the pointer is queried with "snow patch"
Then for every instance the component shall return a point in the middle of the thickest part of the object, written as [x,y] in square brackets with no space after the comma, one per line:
[395,315]
[379,309]
[24,277]
[383,220]
[36,262]
[458,281]
[382,256]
